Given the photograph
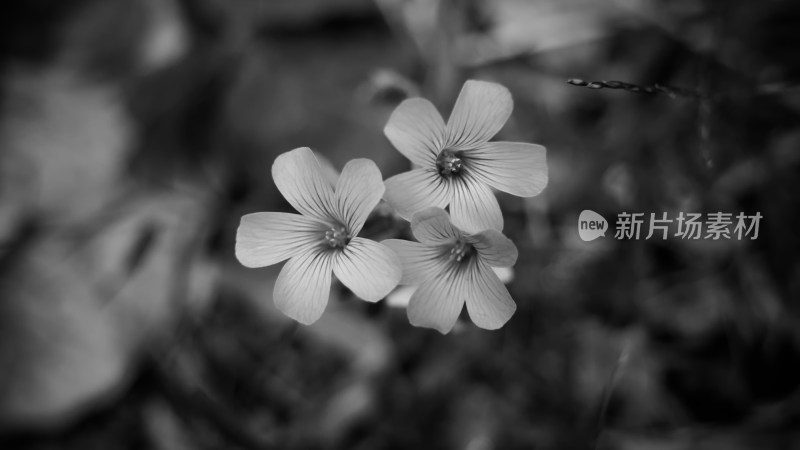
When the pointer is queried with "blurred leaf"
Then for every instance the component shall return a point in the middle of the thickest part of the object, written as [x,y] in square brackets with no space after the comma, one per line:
[69,139]
[482,32]
[77,313]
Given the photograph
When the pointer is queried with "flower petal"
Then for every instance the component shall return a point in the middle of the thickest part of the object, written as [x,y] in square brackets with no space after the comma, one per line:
[329,172]
[489,304]
[303,286]
[400,297]
[481,110]
[432,226]
[367,268]
[358,191]
[474,207]
[494,248]
[416,190]
[438,301]
[268,238]
[505,274]
[416,129]
[300,179]
[514,167]
[419,262]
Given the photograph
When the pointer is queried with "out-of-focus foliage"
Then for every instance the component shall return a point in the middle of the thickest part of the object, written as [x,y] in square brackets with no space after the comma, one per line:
[135,134]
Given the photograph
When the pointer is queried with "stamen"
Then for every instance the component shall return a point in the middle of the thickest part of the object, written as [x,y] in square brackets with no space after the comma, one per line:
[448,163]
[460,251]
[337,236]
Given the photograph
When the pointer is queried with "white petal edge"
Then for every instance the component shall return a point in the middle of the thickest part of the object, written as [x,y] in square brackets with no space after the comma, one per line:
[400,297]
[329,172]
[358,191]
[489,304]
[415,190]
[369,269]
[494,248]
[304,285]
[416,129]
[267,238]
[433,226]
[474,207]
[300,179]
[419,262]
[517,168]
[481,110]
[438,302]
[505,274]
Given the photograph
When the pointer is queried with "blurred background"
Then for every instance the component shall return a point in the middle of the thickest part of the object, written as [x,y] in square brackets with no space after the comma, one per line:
[134,134]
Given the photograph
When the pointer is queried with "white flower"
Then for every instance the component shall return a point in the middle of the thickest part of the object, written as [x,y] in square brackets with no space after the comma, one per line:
[452,268]
[458,165]
[322,238]
[401,295]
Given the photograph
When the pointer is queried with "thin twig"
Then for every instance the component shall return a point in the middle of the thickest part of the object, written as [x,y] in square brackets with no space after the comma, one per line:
[622,360]
[671,91]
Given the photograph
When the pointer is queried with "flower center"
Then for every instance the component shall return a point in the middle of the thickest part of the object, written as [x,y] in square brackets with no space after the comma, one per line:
[448,163]
[337,236]
[460,251]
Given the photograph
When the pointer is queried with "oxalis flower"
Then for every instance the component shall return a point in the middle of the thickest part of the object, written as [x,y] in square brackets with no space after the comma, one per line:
[458,164]
[451,268]
[322,238]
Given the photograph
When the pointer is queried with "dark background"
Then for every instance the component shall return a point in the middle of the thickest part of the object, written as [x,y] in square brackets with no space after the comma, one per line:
[135,133]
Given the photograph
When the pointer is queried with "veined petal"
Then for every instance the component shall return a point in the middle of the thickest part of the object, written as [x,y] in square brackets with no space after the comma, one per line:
[304,285]
[416,129]
[474,207]
[488,302]
[268,238]
[514,167]
[329,172]
[432,226]
[300,179]
[481,110]
[416,190]
[438,302]
[358,191]
[367,268]
[419,262]
[494,248]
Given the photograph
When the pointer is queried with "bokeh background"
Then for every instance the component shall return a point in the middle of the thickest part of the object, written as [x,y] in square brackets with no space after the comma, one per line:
[135,133]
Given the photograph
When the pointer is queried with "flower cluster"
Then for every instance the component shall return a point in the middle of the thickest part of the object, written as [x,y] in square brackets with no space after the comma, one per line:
[453,259]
